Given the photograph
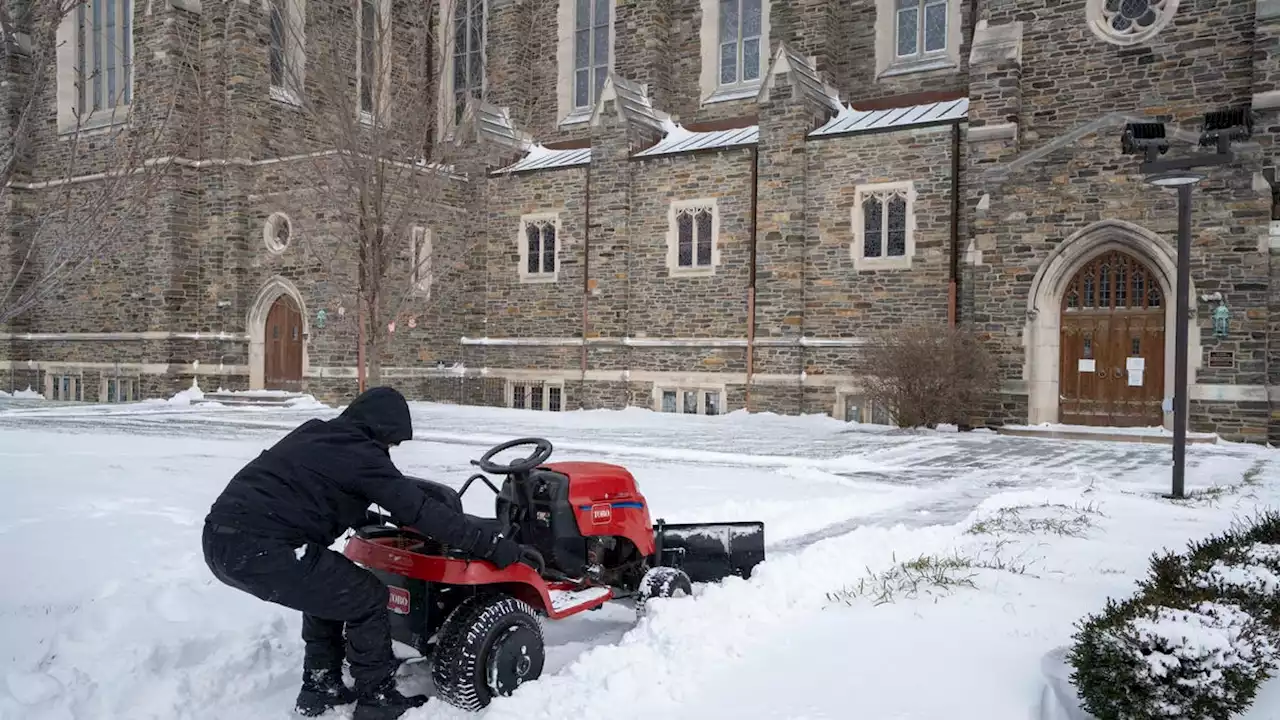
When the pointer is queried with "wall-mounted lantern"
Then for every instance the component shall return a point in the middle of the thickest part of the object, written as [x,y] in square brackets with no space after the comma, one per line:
[1221,314]
[321,317]
[1221,321]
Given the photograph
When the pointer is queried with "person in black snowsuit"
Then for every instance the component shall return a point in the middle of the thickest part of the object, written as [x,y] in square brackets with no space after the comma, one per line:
[269,533]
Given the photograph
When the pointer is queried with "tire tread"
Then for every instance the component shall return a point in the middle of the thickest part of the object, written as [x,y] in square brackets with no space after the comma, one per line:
[454,666]
[662,581]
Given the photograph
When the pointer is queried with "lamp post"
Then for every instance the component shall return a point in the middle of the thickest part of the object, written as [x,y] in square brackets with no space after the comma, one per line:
[1184,183]
[1149,139]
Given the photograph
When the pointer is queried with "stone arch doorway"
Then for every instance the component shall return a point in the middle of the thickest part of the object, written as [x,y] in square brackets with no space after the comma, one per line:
[278,334]
[1045,361]
[1111,369]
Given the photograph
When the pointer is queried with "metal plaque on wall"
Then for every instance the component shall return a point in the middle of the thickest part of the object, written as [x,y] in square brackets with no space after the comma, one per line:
[1222,359]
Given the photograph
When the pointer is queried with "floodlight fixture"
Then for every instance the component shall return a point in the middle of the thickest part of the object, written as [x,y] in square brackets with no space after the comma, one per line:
[1144,138]
[1225,126]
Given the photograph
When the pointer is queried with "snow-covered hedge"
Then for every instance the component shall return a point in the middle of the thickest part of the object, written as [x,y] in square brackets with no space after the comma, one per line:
[1137,661]
[1197,639]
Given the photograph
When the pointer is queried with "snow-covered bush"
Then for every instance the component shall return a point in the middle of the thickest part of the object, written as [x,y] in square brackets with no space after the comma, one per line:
[1196,640]
[1265,528]
[1232,567]
[1139,661]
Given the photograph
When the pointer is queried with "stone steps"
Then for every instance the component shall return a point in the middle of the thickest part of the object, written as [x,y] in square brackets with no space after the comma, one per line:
[1105,435]
[274,399]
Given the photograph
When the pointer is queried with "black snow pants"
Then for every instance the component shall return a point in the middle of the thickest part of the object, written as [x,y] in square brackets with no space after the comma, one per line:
[329,590]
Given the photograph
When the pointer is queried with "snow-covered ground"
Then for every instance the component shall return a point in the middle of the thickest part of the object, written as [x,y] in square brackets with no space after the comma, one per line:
[107,609]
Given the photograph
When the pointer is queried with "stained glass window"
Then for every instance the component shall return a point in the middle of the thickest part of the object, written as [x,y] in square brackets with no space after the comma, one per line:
[540,247]
[279,43]
[104,50]
[884,224]
[468,53]
[741,23]
[921,28]
[368,52]
[694,237]
[590,51]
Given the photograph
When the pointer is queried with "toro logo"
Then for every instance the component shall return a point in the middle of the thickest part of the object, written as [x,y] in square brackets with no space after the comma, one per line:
[601,514]
[398,602]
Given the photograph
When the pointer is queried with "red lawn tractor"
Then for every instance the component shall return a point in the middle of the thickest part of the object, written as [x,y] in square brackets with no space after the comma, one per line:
[589,535]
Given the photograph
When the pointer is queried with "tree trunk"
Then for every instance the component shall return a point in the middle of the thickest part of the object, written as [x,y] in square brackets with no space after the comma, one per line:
[361,383]
[377,338]
[375,363]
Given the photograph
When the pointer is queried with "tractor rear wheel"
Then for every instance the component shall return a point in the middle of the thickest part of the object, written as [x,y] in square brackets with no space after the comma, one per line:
[489,645]
[662,582]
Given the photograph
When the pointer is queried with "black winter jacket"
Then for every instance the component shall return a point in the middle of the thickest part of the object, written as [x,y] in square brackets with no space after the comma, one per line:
[319,480]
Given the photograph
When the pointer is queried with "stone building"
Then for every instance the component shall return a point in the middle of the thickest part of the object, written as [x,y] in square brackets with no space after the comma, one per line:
[700,205]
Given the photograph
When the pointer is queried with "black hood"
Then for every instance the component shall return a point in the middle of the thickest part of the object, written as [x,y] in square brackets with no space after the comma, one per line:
[383,413]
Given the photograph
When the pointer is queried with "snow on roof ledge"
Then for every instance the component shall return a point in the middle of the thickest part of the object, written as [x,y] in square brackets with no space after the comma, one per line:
[849,121]
[540,157]
[817,93]
[633,103]
[680,140]
[494,124]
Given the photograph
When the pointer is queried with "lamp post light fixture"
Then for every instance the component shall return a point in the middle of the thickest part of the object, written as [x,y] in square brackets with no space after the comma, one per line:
[1175,179]
[1219,130]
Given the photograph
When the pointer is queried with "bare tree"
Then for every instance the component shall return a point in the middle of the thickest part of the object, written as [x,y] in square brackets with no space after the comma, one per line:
[384,170]
[83,208]
[930,374]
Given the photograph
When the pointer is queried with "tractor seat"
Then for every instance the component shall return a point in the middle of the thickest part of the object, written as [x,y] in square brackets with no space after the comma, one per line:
[449,497]
[489,525]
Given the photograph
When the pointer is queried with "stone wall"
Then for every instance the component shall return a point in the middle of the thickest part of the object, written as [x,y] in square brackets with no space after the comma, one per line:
[192,256]
[843,301]
[666,302]
[1066,77]
[548,306]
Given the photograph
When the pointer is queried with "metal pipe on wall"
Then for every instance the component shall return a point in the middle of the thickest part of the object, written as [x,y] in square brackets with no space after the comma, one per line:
[953,309]
[751,281]
[586,282]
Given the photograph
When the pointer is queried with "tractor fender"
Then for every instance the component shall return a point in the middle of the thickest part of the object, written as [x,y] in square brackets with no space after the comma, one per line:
[518,580]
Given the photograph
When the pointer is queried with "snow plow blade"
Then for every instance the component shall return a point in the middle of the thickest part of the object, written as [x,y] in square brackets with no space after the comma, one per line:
[711,552]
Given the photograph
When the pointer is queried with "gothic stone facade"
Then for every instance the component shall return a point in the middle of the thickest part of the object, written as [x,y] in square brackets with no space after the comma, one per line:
[705,205]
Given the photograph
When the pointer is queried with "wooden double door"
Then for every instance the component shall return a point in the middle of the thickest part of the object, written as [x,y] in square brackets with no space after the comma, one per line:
[283,352]
[1112,345]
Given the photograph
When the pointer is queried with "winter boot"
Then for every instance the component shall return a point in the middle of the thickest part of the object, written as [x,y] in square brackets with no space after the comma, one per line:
[323,690]
[385,702]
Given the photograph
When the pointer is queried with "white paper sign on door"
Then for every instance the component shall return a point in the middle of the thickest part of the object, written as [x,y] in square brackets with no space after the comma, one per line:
[1087,365]
[1135,378]
[1135,363]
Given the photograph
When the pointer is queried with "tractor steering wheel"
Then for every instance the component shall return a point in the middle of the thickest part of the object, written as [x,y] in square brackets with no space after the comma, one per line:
[538,457]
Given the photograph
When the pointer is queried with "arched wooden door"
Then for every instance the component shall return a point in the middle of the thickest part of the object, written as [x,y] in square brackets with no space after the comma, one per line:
[283,336]
[1112,361]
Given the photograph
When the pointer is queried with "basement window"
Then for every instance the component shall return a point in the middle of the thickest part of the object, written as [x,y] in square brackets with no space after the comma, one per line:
[66,388]
[120,390]
[536,395]
[858,408]
[691,401]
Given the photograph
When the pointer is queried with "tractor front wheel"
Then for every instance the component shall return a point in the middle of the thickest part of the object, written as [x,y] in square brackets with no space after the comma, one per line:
[489,645]
[662,582]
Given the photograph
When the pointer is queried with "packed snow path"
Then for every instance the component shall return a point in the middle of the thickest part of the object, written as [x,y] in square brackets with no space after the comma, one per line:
[110,611]
[931,478]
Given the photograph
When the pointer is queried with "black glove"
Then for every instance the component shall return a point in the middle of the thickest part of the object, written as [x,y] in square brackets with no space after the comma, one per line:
[502,552]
